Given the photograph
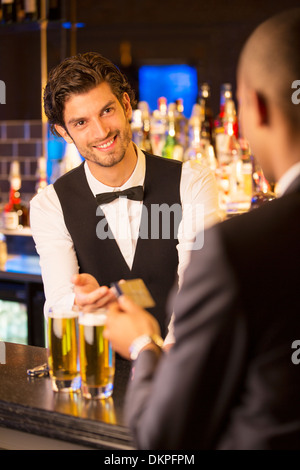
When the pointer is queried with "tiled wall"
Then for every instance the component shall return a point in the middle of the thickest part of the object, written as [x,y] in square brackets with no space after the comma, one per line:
[21,140]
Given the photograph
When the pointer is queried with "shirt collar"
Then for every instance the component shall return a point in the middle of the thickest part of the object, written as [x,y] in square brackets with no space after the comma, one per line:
[287,178]
[136,178]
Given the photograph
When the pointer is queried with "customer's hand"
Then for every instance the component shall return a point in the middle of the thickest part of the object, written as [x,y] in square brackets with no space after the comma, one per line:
[89,293]
[126,321]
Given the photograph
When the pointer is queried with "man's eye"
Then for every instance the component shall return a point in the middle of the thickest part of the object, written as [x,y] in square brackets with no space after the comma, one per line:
[108,110]
[79,123]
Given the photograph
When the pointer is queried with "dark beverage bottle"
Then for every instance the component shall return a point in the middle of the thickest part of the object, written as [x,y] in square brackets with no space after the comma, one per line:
[8,11]
[207,121]
[54,12]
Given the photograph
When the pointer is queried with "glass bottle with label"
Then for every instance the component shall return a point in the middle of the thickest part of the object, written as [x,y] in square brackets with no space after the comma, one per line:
[219,124]
[181,124]
[41,174]
[228,155]
[198,148]
[159,126]
[3,250]
[137,127]
[145,117]
[263,189]
[15,212]
[207,122]
[172,148]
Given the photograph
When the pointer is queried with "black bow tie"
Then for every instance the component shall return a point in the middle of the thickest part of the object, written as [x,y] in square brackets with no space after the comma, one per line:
[136,193]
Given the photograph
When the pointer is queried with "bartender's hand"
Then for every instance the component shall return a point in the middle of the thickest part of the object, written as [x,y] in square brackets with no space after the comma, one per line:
[89,293]
[125,322]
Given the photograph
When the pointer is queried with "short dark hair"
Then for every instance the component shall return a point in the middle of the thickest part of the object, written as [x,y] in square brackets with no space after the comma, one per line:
[79,74]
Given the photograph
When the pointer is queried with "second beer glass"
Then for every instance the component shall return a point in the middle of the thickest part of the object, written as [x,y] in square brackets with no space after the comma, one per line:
[97,359]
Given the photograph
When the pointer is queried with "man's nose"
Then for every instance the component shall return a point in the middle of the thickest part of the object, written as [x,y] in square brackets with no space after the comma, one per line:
[100,128]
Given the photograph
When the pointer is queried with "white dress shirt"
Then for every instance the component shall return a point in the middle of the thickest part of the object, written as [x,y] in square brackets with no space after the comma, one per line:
[287,178]
[58,261]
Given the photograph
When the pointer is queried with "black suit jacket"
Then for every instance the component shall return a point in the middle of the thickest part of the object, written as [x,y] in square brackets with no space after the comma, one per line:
[229,381]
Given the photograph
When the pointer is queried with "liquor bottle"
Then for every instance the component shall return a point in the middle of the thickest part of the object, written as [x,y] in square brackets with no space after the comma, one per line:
[146,141]
[226,137]
[41,174]
[159,126]
[194,150]
[8,11]
[30,8]
[196,116]
[172,148]
[198,147]
[15,212]
[218,131]
[3,250]
[20,11]
[181,124]
[263,189]
[246,168]
[211,158]
[226,94]
[137,127]
[236,178]
[54,10]
[207,123]
[228,153]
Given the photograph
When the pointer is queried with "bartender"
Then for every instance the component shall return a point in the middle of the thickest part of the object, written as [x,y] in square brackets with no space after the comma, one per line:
[96,220]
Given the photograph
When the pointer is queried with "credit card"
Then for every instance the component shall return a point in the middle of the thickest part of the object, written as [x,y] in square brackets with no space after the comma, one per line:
[136,290]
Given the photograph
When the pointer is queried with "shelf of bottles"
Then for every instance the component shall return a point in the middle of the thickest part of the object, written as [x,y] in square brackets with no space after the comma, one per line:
[205,140]
[18,15]
[25,11]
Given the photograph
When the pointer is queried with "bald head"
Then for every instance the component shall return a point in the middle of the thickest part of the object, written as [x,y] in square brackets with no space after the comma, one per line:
[270,62]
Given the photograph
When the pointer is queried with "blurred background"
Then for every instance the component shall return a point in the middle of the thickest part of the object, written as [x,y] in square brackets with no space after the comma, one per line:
[206,35]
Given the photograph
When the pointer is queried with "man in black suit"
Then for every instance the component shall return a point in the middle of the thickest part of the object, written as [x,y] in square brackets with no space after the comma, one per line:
[229,381]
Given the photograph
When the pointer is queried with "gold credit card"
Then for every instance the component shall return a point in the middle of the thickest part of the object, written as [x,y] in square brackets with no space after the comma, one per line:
[136,290]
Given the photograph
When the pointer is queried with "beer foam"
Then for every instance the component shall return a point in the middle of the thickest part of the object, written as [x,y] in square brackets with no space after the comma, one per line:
[92,319]
[62,314]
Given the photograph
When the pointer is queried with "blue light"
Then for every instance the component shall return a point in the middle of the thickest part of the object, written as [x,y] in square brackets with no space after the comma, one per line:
[172,81]
[68,25]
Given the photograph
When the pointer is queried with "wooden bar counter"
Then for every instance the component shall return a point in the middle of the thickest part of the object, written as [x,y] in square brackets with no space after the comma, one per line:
[34,417]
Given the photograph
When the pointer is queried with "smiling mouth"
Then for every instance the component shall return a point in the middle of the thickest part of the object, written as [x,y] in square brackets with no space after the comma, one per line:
[107,144]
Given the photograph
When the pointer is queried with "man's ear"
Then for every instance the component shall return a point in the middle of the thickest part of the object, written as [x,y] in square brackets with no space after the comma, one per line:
[62,131]
[127,105]
[262,109]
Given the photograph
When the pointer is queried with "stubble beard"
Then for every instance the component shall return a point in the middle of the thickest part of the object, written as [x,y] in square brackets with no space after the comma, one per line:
[113,157]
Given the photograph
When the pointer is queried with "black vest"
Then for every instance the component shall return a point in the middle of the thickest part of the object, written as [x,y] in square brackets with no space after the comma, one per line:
[156,257]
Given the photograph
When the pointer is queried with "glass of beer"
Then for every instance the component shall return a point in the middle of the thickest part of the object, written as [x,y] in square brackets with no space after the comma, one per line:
[63,353]
[97,358]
